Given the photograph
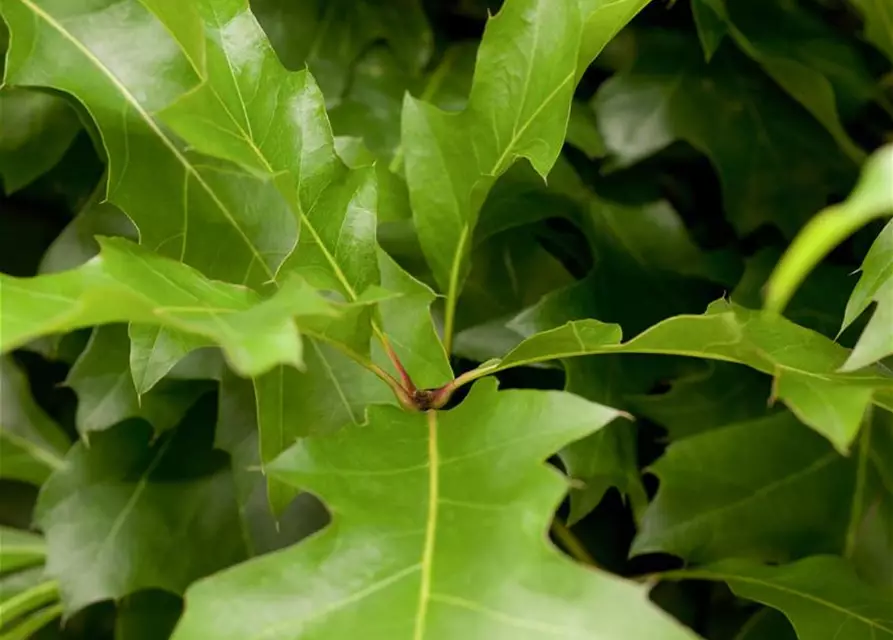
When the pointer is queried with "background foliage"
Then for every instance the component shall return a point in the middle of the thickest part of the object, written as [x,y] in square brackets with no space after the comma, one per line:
[446,318]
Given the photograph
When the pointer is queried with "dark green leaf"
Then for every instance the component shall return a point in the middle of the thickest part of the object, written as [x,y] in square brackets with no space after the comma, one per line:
[813,64]
[237,434]
[821,596]
[102,380]
[32,444]
[421,488]
[129,513]
[776,165]
[328,36]
[767,489]
[147,615]
[36,129]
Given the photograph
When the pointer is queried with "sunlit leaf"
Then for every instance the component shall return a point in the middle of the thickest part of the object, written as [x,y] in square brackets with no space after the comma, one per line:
[129,67]
[518,108]
[805,364]
[20,549]
[128,283]
[422,577]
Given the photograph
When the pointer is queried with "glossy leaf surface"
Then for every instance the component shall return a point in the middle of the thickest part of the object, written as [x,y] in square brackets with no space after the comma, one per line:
[422,579]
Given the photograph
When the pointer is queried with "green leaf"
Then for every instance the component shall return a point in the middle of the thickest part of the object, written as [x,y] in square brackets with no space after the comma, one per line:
[155,351]
[116,509]
[766,489]
[797,51]
[434,492]
[878,16]
[32,444]
[518,108]
[77,242]
[237,434]
[36,129]
[717,394]
[583,133]
[124,85]
[775,165]
[329,36]
[821,596]
[102,381]
[875,284]
[19,549]
[804,363]
[28,601]
[128,283]
[372,104]
[332,392]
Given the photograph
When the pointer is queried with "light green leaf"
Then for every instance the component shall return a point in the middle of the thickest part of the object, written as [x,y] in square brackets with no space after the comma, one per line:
[156,350]
[804,56]
[433,492]
[118,507]
[36,129]
[518,108]
[255,113]
[31,444]
[106,395]
[878,16]
[805,364]
[775,165]
[20,549]
[767,489]
[821,596]
[328,36]
[129,67]
[871,198]
[128,283]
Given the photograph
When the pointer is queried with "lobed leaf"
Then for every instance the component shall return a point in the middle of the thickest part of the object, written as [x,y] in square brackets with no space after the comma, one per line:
[409,493]
[821,596]
[803,55]
[129,67]
[102,380]
[776,166]
[765,489]
[126,497]
[127,283]
[519,105]
[804,364]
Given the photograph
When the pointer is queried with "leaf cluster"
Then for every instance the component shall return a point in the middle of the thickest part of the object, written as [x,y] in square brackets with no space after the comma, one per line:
[428,320]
